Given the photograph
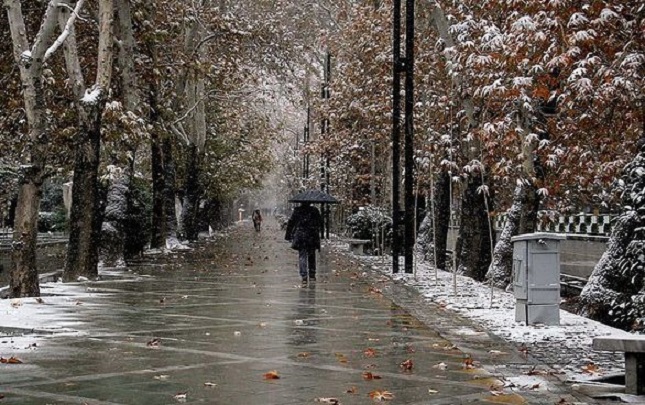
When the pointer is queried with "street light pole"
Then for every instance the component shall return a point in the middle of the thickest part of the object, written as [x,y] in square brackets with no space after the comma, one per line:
[410,205]
[396,133]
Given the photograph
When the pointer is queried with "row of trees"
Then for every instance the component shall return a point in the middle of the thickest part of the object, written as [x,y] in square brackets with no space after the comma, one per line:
[184,99]
[521,107]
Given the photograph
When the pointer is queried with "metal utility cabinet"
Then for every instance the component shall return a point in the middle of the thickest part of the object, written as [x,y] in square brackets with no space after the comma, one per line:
[536,278]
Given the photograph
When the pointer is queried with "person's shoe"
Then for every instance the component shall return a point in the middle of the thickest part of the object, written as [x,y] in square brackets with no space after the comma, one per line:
[304,281]
[312,277]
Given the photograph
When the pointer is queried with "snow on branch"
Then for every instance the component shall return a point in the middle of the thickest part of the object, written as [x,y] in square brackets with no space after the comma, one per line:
[68,27]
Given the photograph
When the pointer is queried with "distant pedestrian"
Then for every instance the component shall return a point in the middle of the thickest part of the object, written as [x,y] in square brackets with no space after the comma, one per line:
[303,231]
[257,219]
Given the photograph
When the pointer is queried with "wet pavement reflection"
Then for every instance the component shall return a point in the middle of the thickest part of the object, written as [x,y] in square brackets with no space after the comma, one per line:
[228,323]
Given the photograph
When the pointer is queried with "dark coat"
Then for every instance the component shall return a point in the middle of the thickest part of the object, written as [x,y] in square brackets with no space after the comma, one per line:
[303,228]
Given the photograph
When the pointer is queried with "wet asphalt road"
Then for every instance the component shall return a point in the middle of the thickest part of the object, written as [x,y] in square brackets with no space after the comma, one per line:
[220,322]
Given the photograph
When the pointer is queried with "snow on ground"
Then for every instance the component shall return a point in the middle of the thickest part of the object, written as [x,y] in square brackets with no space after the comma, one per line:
[566,347]
[24,322]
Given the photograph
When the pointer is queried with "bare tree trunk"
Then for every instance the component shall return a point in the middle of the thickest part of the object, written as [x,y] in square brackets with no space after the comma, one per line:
[442,218]
[501,266]
[118,203]
[473,241]
[473,244]
[84,241]
[158,236]
[84,234]
[170,192]
[24,274]
[192,195]
[30,60]
[158,226]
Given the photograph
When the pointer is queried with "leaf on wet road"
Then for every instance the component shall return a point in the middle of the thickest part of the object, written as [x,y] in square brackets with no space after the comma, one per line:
[161,377]
[432,392]
[440,366]
[333,401]
[368,375]
[341,358]
[181,396]
[39,300]
[210,384]
[352,390]
[154,343]
[375,290]
[10,360]
[469,363]
[590,368]
[407,365]
[272,375]
[381,395]
[304,355]
[369,352]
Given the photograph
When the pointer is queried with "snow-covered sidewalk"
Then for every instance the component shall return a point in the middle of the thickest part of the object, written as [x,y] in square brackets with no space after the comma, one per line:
[565,348]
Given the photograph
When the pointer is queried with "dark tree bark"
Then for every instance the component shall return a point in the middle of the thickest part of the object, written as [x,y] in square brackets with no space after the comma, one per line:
[192,194]
[23,278]
[442,218]
[169,190]
[158,227]
[473,248]
[524,200]
[84,227]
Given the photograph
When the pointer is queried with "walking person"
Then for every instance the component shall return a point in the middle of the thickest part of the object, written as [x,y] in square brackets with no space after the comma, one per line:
[257,219]
[303,231]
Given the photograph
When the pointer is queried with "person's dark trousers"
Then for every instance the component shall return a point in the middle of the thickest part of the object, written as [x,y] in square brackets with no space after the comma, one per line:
[307,263]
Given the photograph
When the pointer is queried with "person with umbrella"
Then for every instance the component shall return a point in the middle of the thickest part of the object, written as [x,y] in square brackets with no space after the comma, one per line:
[303,231]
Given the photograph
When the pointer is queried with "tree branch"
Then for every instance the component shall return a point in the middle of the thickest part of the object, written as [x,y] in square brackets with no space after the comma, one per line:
[66,29]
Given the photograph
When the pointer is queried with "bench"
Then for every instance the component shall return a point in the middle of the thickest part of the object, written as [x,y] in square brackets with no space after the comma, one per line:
[634,348]
[356,246]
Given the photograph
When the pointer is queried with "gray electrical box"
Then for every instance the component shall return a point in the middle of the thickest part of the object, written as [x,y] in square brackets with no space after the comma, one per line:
[536,277]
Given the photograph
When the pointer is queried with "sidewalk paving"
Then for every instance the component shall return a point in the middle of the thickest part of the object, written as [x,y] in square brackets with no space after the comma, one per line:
[217,324]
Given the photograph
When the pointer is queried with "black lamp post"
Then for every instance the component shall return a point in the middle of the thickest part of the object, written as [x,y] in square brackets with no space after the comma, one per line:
[403,65]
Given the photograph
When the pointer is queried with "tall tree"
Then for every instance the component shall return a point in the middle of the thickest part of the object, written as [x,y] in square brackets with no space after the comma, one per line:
[31,60]
[85,221]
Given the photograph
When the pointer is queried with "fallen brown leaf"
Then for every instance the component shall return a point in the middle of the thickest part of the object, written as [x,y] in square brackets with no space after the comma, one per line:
[469,363]
[369,352]
[590,368]
[381,395]
[407,365]
[352,390]
[271,375]
[10,360]
[368,375]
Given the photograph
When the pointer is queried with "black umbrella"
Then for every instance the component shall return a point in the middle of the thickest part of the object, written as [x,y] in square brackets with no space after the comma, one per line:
[314,196]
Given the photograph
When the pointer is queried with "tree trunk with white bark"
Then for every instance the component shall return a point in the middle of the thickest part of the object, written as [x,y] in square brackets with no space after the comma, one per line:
[30,59]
